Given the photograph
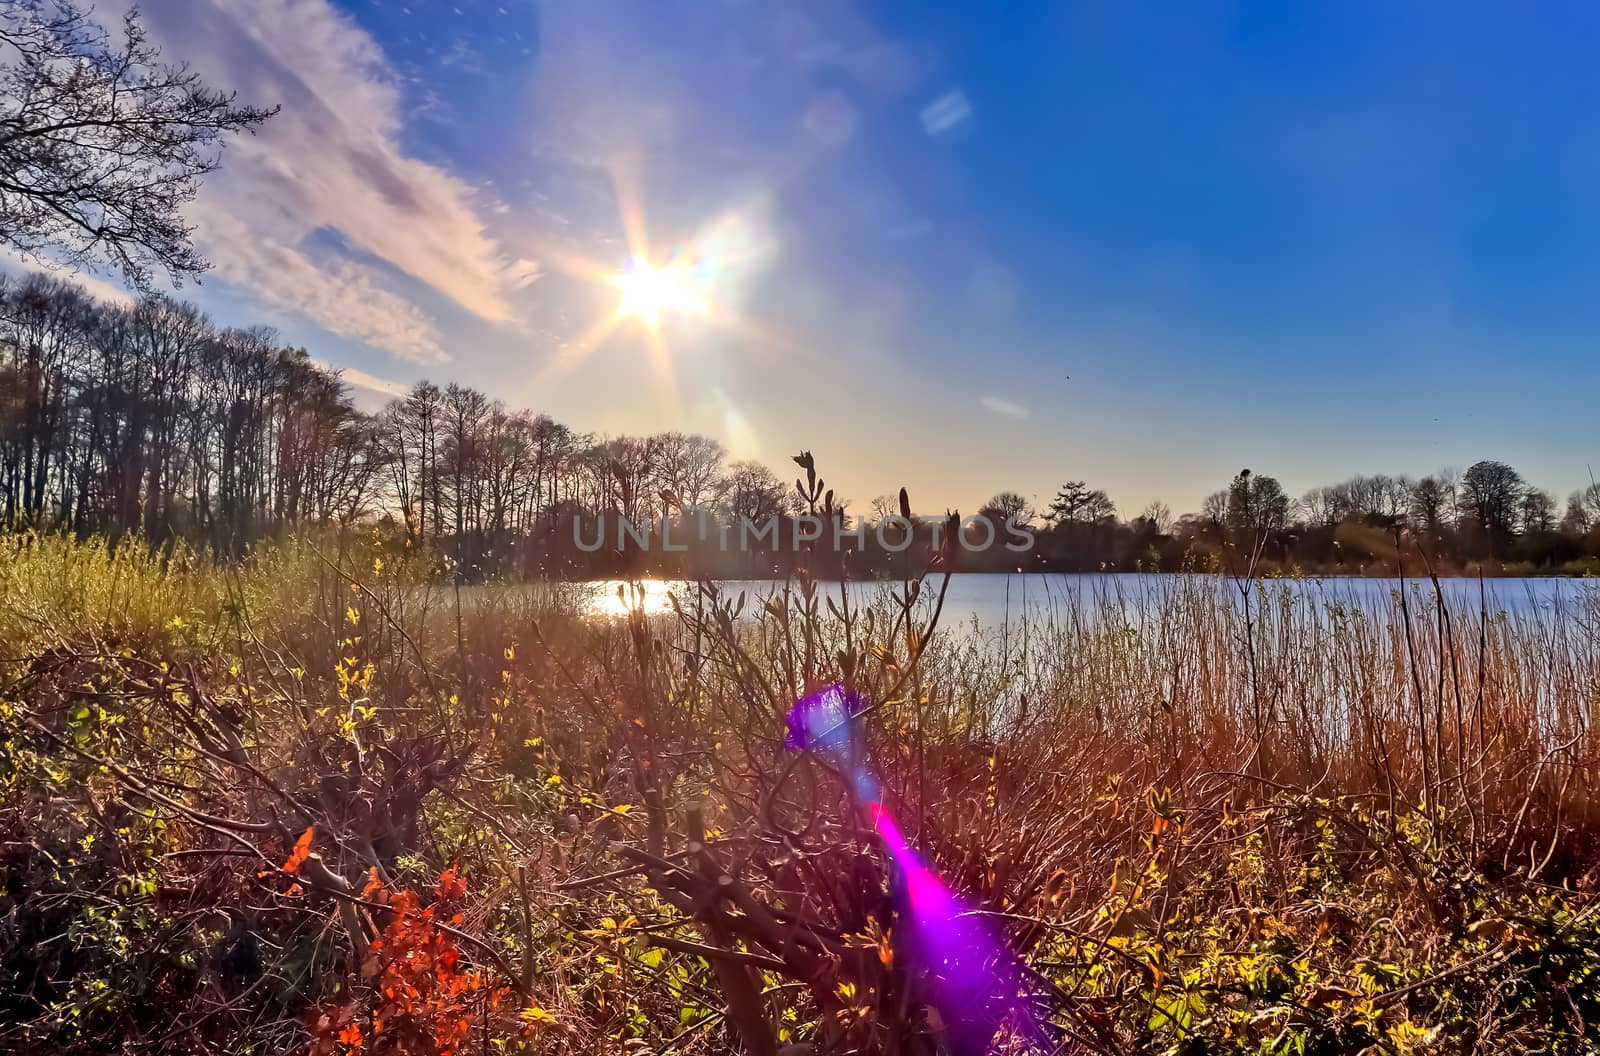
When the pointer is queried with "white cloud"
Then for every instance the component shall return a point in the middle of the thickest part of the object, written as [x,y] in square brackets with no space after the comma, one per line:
[13,263]
[522,273]
[342,297]
[1005,407]
[372,383]
[371,391]
[331,159]
[946,112]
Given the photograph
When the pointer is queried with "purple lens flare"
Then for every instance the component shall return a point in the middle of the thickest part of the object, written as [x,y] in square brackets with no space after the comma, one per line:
[973,965]
[824,723]
[973,969]
[821,722]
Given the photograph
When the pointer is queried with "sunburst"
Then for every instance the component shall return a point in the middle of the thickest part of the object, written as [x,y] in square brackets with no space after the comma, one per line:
[652,289]
[648,292]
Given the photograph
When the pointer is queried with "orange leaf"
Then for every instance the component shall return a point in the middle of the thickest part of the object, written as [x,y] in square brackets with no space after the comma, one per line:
[451,886]
[302,851]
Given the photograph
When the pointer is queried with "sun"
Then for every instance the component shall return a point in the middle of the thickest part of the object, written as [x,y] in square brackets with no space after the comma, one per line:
[647,292]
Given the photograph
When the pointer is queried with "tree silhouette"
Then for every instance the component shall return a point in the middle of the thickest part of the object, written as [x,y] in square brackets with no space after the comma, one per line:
[1491,497]
[1257,507]
[1004,506]
[1077,503]
[150,420]
[102,143]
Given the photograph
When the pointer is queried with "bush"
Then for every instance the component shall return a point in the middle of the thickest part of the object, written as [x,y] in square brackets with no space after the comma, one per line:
[1170,821]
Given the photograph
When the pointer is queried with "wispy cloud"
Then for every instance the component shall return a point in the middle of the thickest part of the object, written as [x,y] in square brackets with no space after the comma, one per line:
[946,112]
[1005,407]
[331,160]
[370,391]
[13,263]
[339,295]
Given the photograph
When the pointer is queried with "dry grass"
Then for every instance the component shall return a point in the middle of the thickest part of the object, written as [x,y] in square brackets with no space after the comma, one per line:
[1204,823]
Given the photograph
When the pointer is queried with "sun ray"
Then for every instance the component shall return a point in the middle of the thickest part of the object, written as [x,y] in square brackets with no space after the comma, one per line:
[572,354]
[553,258]
[666,381]
[700,279]
[630,208]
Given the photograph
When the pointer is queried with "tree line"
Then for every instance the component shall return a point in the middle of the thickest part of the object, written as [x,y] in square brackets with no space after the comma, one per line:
[149,419]
[1487,517]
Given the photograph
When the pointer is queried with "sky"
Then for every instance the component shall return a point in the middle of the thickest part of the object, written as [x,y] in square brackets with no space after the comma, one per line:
[957,247]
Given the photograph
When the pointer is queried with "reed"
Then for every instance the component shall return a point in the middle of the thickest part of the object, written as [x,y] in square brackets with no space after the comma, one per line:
[246,807]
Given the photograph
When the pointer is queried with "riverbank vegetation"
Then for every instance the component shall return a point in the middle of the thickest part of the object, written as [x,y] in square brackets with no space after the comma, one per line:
[304,803]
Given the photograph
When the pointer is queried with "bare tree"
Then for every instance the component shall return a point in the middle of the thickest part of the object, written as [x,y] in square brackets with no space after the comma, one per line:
[237,379]
[1159,516]
[752,490]
[1577,520]
[1538,512]
[409,431]
[1007,505]
[689,467]
[1585,506]
[463,413]
[44,323]
[329,455]
[102,143]
[556,452]
[167,337]
[1431,504]
[626,477]
[506,463]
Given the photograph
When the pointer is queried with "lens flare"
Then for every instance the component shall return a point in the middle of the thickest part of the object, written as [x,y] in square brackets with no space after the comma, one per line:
[824,724]
[972,968]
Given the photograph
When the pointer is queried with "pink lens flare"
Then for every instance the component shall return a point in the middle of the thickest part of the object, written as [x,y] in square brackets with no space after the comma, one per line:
[973,964]
[977,978]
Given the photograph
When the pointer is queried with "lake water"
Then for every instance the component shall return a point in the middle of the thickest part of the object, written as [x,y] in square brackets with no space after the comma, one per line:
[993,601]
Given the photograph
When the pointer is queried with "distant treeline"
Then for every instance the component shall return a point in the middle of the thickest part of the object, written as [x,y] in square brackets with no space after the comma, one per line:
[147,419]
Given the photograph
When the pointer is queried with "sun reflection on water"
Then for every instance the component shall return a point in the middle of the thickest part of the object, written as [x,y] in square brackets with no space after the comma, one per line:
[614,598]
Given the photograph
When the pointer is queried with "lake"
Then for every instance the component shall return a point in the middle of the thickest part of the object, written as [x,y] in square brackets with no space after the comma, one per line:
[994,601]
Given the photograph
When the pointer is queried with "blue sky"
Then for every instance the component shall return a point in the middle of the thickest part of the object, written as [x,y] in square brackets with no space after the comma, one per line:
[1310,239]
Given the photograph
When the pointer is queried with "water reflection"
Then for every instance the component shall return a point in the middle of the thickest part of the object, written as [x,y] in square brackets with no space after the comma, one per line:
[614,598]
[998,600]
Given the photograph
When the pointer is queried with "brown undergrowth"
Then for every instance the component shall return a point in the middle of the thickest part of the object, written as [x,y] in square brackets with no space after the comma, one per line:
[311,804]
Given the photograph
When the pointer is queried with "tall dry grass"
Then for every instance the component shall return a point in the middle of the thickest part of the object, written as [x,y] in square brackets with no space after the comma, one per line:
[1212,816]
